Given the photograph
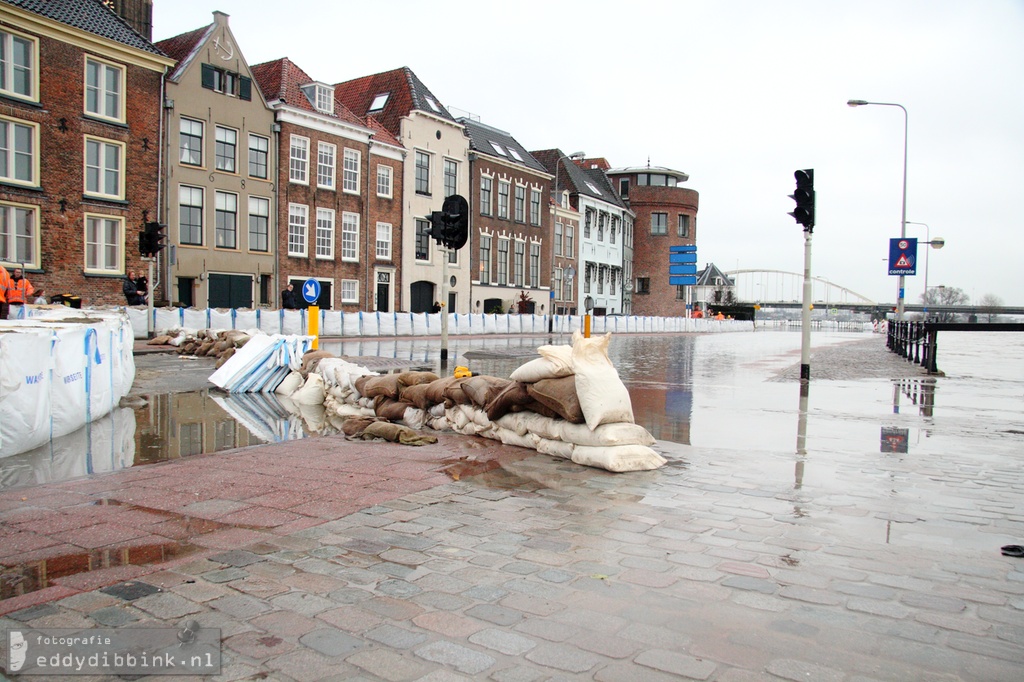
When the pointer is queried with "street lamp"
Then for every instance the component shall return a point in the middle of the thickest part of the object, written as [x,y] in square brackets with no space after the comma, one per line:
[936,243]
[903,217]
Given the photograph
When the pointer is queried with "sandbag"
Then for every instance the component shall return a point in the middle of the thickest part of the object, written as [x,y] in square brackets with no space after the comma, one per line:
[531,422]
[512,397]
[416,395]
[289,384]
[353,426]
[552,363]
[383,385]
[560,396]
[415,378]
[453,393]
[602,395]
[606,434]
[414,418]
[555,448]
[386,408]
[396,433]
[481,390]
[436,389]
[312,392]
[618,458]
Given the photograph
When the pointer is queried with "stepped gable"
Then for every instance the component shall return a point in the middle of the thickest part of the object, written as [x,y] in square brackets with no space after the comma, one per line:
[91,16]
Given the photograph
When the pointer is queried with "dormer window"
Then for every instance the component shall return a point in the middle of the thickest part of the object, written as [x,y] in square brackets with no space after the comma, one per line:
[379,101]
[433,104]
[320,96]
[498,148]
[515,155]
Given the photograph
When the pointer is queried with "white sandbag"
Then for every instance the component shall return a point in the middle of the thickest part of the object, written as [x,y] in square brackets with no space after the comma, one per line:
[602,395]
[311,392]
[290,384]
[509,437]
[618,458]
[439,423]
[531,422]
[553,363]
[555,448]
[414,418]
[476,415]
[437,410]
[607,434]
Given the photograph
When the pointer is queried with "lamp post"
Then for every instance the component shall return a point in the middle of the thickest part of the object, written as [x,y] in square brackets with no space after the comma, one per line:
[936,243]
[903,217]
[558,205]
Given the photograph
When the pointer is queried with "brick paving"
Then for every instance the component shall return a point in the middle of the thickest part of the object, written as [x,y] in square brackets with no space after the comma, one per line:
[326,559]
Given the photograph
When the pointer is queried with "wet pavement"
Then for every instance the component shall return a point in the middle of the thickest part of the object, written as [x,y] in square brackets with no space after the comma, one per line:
[854,539]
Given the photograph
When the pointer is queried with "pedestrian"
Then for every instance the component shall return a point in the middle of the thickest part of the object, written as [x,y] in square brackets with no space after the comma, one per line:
[436,308]
[5,284]
[288,300]
[142,286]
[40,299]
[130,287]
[20,290]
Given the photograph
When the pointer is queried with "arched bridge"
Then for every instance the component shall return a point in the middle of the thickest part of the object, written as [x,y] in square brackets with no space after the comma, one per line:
[769,287]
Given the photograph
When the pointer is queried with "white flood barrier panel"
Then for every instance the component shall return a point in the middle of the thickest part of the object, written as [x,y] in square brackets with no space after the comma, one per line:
[262,363]
[59,370]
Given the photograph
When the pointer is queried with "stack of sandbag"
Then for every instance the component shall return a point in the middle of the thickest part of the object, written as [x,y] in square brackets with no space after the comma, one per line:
[220,344]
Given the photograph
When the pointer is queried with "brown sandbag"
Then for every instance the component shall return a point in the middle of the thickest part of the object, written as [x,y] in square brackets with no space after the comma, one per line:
[396,433]
[385,385]
[415,378]
[512,398]
[392,410]
[481,390]
[436,389]
[417,395]
[559,395]
[312,358]
[354,426]
[454,395]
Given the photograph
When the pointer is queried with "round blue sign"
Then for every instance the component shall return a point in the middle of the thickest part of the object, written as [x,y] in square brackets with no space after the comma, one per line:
[311,290]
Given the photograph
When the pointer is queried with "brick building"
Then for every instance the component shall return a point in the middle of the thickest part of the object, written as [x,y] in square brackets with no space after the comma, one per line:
[666,215]
[510,245]
[339,194]
[437,167]
[80,102]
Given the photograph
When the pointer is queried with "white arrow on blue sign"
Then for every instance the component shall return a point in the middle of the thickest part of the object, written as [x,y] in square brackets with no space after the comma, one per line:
[311,290]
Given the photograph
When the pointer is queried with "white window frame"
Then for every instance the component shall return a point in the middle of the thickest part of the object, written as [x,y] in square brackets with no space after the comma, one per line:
[324,240]
[559,230]
[298,160]
[501,272]
[10,153]
[519,263]
[535,202]
[101,256]
[264,151]
[349,290]
[225,137]
[103,109]
[570,237]
[225,204]
[383,241]
[8,67]
[102,145]
[534,264]
[349,237]
[486,189]
[485,258]
[19,224]
[351,159]
[519,203]
[422,172]
[503,207]
[385,178]
[326,159]
[324,99]
[298,230]
[259,208]
[451,177]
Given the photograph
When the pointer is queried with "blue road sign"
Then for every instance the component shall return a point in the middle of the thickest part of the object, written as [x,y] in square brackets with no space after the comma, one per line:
[903,256]
[682,258]
[677,280]
[682,269]
[682,248]
[311,290]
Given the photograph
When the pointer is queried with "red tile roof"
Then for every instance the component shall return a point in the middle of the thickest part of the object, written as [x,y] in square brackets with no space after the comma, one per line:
[282,79]
[359,94]
[179,47]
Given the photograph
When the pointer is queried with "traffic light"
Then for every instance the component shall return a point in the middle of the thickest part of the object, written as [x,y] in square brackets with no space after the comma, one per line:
[456,221]
[804,197]
[151,239]
[437,230]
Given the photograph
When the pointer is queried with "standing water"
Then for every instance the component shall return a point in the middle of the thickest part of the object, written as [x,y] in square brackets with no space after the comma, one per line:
[710,390]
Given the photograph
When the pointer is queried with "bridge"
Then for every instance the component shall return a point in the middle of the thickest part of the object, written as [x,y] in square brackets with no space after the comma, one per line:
[784,289]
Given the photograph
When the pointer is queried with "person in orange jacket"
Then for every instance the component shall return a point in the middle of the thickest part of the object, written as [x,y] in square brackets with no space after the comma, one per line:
[19,291]
[5,284]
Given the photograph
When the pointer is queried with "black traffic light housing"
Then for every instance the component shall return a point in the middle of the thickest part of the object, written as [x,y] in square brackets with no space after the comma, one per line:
[151,239]
[804,197]
[450,225]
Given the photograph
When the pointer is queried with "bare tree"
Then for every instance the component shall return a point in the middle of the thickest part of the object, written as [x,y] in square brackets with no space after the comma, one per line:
[990,301]
[942,296]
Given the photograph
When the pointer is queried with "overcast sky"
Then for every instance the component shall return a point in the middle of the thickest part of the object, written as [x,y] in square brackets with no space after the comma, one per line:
[736,93]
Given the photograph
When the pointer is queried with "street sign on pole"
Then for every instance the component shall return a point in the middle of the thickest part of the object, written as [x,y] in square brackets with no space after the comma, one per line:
[311,290]
[903,256]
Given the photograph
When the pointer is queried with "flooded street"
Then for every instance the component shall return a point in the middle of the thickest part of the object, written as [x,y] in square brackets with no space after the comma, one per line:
[712,390]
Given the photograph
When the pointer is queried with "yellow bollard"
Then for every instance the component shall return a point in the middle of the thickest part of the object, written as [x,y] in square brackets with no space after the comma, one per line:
[313,324]
[586,326]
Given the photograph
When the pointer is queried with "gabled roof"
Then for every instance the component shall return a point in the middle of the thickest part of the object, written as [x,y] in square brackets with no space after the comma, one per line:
[708,276]
[497,143]
[380,133]
[88,15]
[405,94]
[282,80]
[590,182]
[182,47]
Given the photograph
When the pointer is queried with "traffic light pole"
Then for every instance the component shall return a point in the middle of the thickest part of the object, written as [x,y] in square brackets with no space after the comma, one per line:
[805,318]
[444,308]
[149,298]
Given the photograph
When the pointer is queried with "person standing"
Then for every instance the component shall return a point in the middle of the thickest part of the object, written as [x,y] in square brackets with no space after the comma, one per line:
[288,300]
[130,287]
[20,289]
[5,284]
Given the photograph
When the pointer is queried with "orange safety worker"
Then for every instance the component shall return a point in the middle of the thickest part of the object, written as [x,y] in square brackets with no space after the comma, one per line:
[19,291]
[719,316]
[5,284]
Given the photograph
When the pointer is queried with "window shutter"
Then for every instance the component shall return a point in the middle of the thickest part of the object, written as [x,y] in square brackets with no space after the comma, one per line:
[245,88]
[208,76]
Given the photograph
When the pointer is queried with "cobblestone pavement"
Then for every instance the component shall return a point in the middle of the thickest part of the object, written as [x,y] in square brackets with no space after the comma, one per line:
[469,561]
